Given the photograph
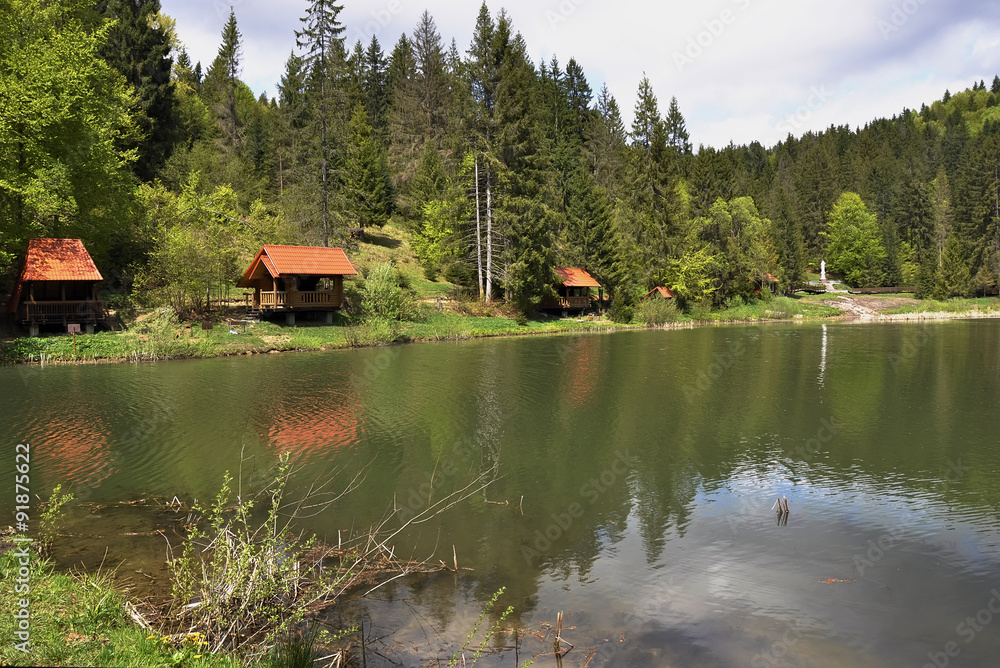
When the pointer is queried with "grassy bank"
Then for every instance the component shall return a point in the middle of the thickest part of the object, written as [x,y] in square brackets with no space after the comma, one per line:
[82,620]
[181,341]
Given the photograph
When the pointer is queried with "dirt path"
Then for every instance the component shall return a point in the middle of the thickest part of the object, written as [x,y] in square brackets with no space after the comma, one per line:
[853,308]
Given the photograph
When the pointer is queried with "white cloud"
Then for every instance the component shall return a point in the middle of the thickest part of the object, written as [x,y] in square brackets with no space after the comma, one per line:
[751,65]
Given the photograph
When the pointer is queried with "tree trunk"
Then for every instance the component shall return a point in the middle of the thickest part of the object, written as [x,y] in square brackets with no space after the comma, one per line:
[489,238]
[479,240]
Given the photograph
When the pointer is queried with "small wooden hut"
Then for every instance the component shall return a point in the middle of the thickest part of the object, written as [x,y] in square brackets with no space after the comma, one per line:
[572,290]
[57,285]
[659,292]
[290,279]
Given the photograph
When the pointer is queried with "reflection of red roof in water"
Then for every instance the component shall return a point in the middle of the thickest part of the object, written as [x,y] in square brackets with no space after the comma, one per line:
[71,450]
[319,429]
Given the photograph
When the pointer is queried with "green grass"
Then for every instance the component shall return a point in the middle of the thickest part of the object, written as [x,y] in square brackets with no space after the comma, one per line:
[391,243]
[775,308]
[81,620]
[956,305]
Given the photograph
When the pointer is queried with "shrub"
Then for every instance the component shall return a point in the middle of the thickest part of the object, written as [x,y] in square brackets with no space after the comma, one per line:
[387,295]
[657,311]
[621,309]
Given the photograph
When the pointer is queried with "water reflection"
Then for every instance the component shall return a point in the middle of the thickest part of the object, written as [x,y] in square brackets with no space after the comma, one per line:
[646,509]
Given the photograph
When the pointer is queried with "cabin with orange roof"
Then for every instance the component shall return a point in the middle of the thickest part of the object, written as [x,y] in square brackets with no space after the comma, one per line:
[659,292]
[573,291]
[290,279]
[57,285]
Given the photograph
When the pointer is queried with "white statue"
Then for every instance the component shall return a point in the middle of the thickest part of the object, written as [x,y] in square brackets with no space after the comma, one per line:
[822,271]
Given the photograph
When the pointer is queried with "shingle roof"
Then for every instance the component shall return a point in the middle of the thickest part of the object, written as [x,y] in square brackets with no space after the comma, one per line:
[282,261]
[664,292]
[58,260]
[53,260]
[577,278]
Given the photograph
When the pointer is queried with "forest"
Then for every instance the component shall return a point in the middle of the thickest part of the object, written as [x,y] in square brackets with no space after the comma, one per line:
[174,173]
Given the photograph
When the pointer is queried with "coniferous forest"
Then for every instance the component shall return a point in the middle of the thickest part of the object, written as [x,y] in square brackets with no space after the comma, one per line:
[174,173]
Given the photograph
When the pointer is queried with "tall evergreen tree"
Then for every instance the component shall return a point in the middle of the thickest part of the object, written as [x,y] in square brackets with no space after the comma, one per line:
[222,81]
[139,48]
[322,41]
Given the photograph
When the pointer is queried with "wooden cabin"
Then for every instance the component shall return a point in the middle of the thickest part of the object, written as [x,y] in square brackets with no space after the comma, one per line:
[572,291]
[659,292]
[57,286]
[290,279]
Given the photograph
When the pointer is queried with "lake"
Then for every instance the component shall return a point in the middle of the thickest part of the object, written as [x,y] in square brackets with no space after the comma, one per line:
[638,472]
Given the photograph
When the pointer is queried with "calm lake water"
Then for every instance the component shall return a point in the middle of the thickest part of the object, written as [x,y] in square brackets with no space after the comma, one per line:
[648,463]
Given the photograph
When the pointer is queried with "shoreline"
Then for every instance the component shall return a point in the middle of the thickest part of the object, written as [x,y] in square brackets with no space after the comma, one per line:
[337,337]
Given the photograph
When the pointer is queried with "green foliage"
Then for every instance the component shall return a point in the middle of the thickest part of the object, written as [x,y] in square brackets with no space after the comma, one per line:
[67,115]
[459,658]
[50,518]
[383,298]
[622,308]
[81,619]
[656,311]
[237,578]
[855,243]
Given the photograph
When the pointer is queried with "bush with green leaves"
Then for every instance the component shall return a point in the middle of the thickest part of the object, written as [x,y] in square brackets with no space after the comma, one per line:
[386,294]
[657,311]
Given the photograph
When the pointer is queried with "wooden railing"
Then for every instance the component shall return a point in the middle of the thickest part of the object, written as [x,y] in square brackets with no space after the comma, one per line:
[272,299]
[319,298]
[86,311]
[574,302]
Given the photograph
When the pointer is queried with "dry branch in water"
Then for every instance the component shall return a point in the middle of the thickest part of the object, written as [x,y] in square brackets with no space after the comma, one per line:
[244,582]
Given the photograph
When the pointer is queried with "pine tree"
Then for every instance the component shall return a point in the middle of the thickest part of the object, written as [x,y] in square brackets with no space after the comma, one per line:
[139,48]
[321,38]
[222,80]
[677,134]
[367,173]
[375,87]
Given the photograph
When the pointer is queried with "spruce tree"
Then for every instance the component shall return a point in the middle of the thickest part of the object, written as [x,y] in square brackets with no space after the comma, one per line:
[322,41]
[139,48]
[367,173]
[222,80]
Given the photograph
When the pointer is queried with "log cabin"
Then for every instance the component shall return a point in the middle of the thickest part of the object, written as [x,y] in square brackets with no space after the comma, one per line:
[291,279]
[57,285]
[572,291]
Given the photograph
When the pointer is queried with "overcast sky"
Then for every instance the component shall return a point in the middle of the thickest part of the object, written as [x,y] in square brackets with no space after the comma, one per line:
[742,70]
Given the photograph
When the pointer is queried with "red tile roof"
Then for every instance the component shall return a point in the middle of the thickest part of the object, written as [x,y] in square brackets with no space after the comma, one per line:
[53,260]
[281,261]
[58,260]
[577,278]
[664,292]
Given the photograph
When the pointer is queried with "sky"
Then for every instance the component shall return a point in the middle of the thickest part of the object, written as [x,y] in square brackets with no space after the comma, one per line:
[742,70]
